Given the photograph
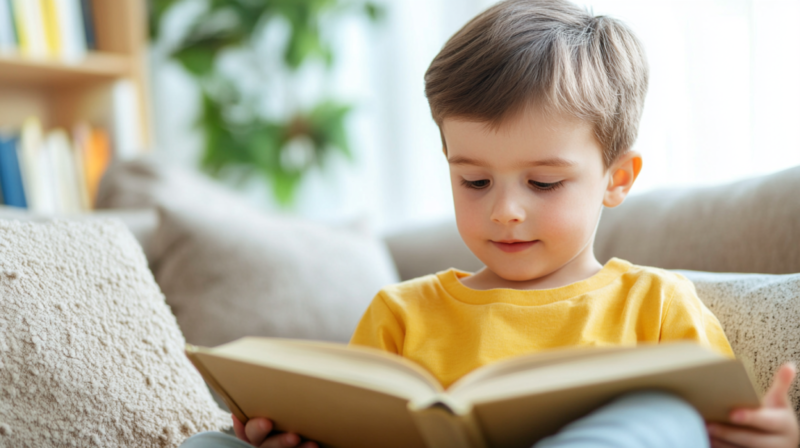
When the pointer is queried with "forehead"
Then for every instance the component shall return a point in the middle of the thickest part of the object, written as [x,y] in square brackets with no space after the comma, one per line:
[523,139]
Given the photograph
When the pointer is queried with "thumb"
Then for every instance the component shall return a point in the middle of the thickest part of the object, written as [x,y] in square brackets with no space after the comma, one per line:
[777,395]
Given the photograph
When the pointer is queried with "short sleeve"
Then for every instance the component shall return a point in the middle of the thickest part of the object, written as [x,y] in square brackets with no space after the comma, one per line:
[379,328]
[687,318]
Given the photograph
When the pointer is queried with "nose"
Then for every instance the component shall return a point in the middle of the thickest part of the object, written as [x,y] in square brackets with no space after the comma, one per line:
[508,209]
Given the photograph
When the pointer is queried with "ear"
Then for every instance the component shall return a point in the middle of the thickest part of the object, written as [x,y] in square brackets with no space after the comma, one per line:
[623,174]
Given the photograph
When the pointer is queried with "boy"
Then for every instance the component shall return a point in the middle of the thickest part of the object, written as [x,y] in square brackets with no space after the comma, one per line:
[538,104]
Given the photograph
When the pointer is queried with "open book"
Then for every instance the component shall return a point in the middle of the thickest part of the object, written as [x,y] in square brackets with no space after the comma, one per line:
[354,397]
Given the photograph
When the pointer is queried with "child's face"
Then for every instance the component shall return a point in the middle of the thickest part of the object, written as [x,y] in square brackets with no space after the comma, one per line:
[528,197]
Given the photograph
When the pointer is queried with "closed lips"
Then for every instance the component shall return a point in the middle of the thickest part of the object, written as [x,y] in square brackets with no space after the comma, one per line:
[513,245]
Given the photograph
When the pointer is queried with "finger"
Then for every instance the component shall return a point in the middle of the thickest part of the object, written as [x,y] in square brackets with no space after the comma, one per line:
[309,445]
[772,420]
[777,395]
[742,436]
[238,428]
[257,430]
[285,440]
[717,443]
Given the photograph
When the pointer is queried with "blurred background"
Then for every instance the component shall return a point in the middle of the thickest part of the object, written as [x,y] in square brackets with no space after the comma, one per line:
[317,107]
[722,105]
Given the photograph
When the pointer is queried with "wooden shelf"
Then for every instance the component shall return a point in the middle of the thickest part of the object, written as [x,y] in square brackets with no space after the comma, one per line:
[21,71]
[62,94]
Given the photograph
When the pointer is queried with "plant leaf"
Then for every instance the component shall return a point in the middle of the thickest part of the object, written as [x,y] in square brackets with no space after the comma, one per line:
[198,61]
[284,185]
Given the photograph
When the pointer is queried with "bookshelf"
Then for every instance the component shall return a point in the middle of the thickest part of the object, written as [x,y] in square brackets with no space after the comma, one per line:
[62,94]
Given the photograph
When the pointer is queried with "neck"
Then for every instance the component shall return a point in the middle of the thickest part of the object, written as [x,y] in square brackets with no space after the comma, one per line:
[583,266]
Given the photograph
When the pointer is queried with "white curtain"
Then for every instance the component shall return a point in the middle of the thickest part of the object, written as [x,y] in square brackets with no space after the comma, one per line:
[723,103]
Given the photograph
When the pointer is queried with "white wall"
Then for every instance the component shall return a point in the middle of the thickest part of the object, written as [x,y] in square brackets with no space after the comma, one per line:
[724,103]
[724,91]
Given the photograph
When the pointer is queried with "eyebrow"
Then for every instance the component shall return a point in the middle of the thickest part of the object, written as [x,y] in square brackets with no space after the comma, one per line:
[556,162]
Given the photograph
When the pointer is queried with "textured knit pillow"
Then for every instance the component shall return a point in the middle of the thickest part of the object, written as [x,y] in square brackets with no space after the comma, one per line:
[230,270]
[90,355]
[761,317]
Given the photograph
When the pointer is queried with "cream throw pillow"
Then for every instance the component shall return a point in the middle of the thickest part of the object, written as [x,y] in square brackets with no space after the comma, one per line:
[761,317]
[230,270]
[90,355]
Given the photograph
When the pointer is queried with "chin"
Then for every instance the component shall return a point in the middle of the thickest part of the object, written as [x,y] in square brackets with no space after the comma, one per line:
[517,275]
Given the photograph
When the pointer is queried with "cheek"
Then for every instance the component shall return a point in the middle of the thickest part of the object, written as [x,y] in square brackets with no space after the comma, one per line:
[571,218]
[468,215]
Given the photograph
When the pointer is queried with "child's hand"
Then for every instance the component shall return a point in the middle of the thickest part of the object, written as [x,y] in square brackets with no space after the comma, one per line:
[773,425]
[257,429]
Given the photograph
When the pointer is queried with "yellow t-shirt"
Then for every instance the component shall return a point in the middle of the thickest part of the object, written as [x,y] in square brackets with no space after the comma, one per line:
[451,329]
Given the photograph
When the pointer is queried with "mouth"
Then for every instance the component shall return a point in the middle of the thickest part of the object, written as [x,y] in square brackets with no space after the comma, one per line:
[513,245]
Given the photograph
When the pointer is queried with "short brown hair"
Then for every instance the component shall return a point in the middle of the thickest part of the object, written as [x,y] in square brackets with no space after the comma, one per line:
[545,52]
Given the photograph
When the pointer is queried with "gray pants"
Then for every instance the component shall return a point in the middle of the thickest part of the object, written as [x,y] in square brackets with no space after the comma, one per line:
[638,420]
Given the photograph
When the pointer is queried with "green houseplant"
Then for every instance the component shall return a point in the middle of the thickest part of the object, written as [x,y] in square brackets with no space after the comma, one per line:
[280,150]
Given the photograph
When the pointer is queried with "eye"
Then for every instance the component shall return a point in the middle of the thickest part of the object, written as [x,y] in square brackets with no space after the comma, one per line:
[475,184]
[542,186]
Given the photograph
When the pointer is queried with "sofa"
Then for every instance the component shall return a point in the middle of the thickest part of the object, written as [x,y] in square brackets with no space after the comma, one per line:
[227,269]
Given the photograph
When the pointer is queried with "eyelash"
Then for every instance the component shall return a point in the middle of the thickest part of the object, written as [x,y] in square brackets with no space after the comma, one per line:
[541,186]
[545,186]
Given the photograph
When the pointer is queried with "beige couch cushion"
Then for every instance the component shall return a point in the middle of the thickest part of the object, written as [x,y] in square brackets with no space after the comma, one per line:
[229,270]
[760,315]
[429,249]
[90,355]
[748,226]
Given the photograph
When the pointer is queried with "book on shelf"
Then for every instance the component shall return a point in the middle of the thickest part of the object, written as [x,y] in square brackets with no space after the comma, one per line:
[65,172]
[341,396]
[10,176]
[62,29]
[70,28]
[87,20]
[126,122]
[33,166]
[96,158]
[51,172]
[8,32]
[30,28]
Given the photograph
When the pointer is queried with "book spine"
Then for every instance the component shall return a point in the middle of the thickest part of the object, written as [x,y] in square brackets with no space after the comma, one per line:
[18,17]
[52,29]
[65,179]
[88,24]
[70,21]
[8,34]
[97,157]
[442,427]
[80,140]
[30,28]
[126,121]
[10,176]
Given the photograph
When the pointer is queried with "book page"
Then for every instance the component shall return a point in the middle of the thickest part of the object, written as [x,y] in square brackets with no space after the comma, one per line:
[519,406]
[496,370]
[358,366]
[532,374]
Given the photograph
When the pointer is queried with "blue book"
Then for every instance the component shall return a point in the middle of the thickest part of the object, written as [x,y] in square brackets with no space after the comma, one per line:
[10,177]
[88,24]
